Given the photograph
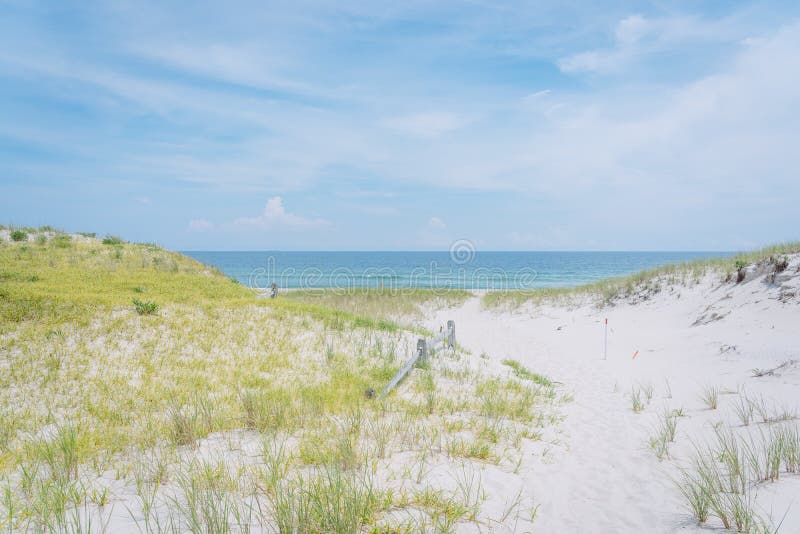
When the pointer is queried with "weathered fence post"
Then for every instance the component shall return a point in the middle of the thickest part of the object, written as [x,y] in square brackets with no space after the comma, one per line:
[422,350]
[451,333]
[420,357]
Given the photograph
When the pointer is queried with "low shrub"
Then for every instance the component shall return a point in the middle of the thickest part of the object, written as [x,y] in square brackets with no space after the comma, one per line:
[145,307]
[112,240]
[19,235]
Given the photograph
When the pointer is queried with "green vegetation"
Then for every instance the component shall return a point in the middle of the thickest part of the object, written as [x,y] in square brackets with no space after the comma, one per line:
[710,397]
[664,434]
[723,478]
[645,282]
[145,307]
[61,241]
[744,409]
[112,240]
[400,304]
[19,235]
[520,371]
[143,390]
[637,404]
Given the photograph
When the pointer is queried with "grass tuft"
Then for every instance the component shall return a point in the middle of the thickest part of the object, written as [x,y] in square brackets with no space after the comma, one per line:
[744,409]
[710,397]
[520,371]
[637,404]
[145,307]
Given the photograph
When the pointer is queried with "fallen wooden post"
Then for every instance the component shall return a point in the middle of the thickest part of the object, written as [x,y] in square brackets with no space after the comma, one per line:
[424,348]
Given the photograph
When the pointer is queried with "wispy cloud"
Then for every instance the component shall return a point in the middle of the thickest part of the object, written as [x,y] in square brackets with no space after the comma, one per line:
[436,223]
[386,114]
[636,36]
[377,210]
[243,64]
[200,225]
[427,125]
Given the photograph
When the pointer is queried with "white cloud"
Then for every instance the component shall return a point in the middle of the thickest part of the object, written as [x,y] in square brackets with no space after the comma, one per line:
[636,36]
[731,128]
[279,154]
[593,61]
[586,151]
[275,216]
[200,225]
[427,125]
[628,33]
[144,200]
[631,29]
[437,223]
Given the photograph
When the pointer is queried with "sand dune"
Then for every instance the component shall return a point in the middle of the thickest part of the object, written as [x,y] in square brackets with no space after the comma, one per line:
[525,427]
[600,475]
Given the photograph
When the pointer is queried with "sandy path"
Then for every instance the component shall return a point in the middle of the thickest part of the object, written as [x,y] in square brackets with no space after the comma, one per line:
[599,488]
[600,475]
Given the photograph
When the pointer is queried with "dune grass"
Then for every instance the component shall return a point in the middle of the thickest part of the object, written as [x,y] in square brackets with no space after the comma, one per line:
[710,397]
[133,360]
[648,281]
[46,281]
[744,409]
[724,476]
[636,401]
[664,434]
[396,304]
[520,371]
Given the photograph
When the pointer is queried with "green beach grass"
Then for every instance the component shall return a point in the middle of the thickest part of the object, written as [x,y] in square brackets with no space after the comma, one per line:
[119,361]
[398,305]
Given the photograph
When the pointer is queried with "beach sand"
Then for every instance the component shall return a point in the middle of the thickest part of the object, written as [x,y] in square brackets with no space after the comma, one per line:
[498,447]
[600,475]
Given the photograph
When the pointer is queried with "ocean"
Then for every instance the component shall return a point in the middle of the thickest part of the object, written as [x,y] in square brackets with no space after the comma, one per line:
[461,268]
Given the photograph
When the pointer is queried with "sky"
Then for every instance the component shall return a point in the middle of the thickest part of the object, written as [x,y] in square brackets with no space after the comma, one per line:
[364,125]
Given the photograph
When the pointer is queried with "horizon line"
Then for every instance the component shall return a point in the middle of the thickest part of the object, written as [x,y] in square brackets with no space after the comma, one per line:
[445,251]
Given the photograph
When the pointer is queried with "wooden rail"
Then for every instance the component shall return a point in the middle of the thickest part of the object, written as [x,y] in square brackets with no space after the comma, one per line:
[424,346]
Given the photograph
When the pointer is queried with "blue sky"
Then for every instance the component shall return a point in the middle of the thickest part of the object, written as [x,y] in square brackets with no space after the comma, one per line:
[404,125]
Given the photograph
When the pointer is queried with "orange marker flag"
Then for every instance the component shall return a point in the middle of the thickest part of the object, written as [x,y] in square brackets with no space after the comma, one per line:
[635,354]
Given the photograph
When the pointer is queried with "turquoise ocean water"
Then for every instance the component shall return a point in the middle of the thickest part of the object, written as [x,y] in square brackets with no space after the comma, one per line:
[461,268]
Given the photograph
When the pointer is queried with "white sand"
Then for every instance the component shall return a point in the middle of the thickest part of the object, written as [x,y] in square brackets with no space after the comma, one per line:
[602,476]
[594,471]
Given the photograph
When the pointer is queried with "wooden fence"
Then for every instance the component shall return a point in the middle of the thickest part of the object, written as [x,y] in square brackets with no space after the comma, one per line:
[424,347]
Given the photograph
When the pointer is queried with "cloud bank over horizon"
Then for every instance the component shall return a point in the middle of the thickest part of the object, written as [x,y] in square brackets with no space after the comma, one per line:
[364,126]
